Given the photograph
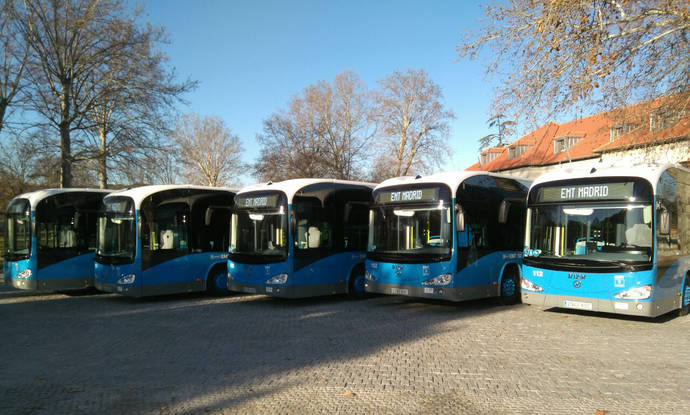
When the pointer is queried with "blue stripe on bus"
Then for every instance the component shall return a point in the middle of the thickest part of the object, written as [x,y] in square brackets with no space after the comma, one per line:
[332,269]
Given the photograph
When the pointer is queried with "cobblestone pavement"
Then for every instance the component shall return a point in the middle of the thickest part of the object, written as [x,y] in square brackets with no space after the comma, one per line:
[189,354]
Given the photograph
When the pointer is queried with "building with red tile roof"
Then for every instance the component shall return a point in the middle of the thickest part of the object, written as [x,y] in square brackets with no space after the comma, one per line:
[657,130]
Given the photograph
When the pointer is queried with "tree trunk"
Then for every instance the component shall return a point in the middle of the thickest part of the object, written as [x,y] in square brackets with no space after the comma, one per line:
[65,140]
[65,156]
[102,161]
[3,108]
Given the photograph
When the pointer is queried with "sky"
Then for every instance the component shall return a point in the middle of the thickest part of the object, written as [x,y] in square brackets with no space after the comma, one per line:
[251,57]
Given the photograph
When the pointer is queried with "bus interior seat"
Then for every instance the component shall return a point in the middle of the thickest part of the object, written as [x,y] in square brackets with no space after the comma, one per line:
[640,235]
[313,237]
[67,238]
[167,238]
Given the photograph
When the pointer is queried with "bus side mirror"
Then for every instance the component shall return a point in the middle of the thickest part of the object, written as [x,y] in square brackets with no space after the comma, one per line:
[208,216]
[459,219]
[503,212]
[664,223]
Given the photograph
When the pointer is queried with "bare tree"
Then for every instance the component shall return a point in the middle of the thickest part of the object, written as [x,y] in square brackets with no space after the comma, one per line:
[322,133]
[71,43]
[14,52]
[347,126]
[19,167]
[504,127]
[136,94]
[290,145]
[413,123]
[157,166]
[209,152]
[555,56]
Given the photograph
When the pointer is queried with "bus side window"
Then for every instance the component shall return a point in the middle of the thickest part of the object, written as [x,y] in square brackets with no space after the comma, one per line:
[355,226]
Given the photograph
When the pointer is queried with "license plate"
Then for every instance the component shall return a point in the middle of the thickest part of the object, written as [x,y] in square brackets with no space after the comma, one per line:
[119,289]
[399,291]
[269,289]
[620,306]
[250,290]
[578,305]
[428,290]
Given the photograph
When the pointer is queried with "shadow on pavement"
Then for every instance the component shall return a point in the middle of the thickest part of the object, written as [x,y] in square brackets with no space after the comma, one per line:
[191,352]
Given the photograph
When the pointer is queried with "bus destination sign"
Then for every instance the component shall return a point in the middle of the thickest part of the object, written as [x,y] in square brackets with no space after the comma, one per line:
[594,191]
[407,196]
[257,201]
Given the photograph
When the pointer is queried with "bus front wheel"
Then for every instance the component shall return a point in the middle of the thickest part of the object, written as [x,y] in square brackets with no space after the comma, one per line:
[510,287]
[217,281]
[685,297]
[356,284]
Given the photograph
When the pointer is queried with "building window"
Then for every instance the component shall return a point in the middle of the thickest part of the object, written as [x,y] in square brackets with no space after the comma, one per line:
[488,157]
[620,129]
[517,150]
[562,144]
[665,117]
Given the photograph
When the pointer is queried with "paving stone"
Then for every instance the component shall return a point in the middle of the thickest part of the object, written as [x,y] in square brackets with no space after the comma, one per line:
[190,354]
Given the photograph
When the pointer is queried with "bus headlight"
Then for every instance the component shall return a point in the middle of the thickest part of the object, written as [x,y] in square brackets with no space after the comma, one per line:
[127,279]
[530,286]
[637,293]
[443,279]
[22,275]
[368,276]
[277,279]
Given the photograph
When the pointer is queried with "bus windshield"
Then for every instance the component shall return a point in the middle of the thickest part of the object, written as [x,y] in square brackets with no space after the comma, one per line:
[258,231]
[116,231]
[590,233]
[18,230]
[405,230]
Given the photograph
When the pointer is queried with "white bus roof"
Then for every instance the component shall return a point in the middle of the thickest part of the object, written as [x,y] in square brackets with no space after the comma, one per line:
[648,171]
[292,186]
[38,195]
[138,194]
[452,179]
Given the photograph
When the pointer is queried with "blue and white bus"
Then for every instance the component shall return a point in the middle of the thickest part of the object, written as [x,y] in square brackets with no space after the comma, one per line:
[50,239]
[299,238]
[452,236]
[615,240]
[164,239]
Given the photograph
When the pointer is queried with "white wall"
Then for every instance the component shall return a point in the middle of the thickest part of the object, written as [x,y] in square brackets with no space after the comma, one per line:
[665,153]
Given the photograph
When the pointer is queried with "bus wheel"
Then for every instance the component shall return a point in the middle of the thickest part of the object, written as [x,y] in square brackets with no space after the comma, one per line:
[356,284]
[217,281]
[510,287]
[685,294]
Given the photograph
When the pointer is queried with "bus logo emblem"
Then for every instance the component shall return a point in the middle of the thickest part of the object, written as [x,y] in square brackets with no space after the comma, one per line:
[577,283]
[619,280]
[398,269]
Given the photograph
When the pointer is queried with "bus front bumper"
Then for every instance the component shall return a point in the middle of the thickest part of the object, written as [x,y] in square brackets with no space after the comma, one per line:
[631,308]
[439,293]
[58,284]
[128,290]
[283,291]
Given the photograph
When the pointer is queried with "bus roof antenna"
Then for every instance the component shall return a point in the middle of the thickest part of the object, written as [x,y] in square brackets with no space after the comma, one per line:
[417,177]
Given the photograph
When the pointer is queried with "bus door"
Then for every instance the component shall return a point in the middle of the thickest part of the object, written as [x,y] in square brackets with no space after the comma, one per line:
[474,244]
[313,235]
[165,245]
